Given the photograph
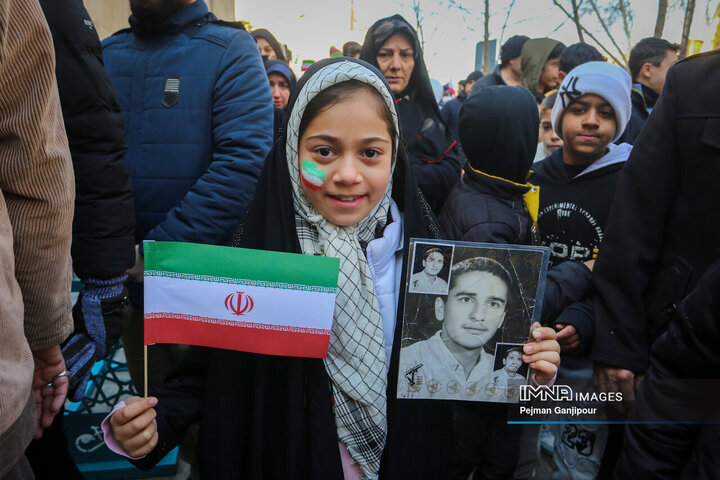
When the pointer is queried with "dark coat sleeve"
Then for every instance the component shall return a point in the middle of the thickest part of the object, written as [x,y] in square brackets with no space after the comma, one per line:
[242,134]
[689,349]
[580,316]
[633,242]
[104,221]
[567,283]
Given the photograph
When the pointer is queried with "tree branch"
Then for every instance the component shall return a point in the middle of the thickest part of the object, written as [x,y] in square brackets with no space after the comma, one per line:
[607,30]
[589,34]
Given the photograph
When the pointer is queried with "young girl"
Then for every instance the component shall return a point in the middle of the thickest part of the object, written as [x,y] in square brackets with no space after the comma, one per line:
[339,185]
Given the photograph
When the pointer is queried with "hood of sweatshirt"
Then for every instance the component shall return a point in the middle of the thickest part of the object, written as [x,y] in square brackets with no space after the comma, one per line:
[535,53]
[552,167]
[498,132]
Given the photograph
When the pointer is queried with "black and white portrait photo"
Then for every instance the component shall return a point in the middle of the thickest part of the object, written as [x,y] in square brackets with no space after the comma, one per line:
[451,341]
[431,264]
[509,371]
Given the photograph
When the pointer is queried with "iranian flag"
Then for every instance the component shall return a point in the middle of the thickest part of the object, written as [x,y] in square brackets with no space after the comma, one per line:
[238,299]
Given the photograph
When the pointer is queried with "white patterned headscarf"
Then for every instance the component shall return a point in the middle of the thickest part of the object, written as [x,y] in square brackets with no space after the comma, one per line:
[356,361]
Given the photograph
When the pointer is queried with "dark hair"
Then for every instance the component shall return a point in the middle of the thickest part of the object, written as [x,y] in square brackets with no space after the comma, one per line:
[513,349]
[548,102]
[481,264]
[651,50]
[462,83]
[577,54]
[474,76]
[350,49]
[556,52]
[332,95]
[430,250]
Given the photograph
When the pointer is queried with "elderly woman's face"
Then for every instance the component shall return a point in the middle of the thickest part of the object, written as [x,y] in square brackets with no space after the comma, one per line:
[396,60]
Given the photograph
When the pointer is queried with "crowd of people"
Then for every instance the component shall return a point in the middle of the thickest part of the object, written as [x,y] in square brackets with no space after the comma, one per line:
[187,128]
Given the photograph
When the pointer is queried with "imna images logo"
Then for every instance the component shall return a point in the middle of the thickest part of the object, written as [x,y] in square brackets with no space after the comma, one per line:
[544,393]
[239,303]
[559,393]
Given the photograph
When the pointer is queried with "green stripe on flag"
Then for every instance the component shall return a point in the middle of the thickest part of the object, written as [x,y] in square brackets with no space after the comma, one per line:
[240,263]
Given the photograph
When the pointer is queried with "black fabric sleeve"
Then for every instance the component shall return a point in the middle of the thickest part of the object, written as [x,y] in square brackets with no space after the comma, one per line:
[633,242]
[580,316]
[567,283]
[104,221]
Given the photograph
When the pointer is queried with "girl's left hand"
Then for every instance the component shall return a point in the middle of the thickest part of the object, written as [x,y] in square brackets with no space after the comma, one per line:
[542,353]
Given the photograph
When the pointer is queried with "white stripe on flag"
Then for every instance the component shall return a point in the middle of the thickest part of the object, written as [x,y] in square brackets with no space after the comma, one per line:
[270,306]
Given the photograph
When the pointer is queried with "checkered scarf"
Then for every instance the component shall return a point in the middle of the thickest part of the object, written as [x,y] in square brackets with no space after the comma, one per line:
[356,362]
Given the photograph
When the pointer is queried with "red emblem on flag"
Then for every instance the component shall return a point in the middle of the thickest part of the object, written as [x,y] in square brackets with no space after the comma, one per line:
[241,306]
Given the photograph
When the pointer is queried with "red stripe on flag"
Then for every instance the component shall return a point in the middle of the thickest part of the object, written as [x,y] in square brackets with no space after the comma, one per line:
[242,336]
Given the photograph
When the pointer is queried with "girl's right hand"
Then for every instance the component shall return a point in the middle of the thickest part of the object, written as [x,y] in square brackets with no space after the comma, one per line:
[133,426]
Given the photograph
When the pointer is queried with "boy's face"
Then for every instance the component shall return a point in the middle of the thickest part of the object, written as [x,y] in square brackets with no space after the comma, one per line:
[512,361]
[433,263]
[549,75]
[548,137]
[473,311]
[588,126]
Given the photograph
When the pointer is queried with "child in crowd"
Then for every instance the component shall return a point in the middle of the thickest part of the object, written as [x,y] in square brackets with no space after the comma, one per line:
[577,183]
[498,130]
[541,65]
[548,138]
[282,417]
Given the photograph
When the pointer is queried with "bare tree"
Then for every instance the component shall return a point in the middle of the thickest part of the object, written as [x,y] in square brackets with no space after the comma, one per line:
[607,14]
[606,29]
[576,19]
[486,39]
[687,22]
[418,11]
[505,23]
[660,20]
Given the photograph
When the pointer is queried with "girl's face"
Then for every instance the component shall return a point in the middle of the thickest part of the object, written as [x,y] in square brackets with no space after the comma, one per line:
[346,154]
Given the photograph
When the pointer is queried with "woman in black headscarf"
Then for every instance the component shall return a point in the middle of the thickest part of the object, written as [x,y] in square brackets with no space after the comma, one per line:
[392,45]
[268,45]
[282,83]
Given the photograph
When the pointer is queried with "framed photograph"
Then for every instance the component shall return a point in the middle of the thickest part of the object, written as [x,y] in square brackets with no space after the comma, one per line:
[464,341]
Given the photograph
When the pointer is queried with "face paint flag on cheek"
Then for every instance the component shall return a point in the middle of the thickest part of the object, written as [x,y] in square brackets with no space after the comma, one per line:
[312,176]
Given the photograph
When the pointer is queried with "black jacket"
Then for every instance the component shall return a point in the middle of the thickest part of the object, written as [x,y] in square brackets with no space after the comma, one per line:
[643,100]
[663,230]
[680,386]
[484,209]
[103,226]
[574,209]
[572,217]
[491,80]
[450,114]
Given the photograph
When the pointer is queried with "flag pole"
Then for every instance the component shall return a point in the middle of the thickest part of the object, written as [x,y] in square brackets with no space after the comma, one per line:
[145,375]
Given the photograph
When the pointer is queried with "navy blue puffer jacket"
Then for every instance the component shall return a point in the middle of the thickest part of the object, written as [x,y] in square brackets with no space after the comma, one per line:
[198,116]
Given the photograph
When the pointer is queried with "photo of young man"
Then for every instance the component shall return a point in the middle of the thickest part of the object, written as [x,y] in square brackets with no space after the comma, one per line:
[428,276]
[457,361]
